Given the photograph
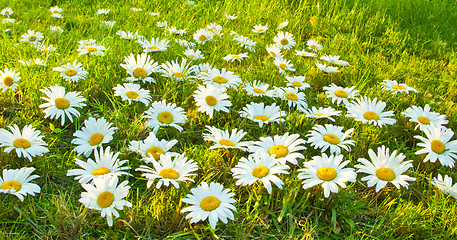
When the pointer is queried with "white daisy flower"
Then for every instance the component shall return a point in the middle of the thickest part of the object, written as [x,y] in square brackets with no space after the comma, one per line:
[6,11]
[438,146]
[55,10]
[17,182]
[103,11]
[32,62]
[210,201]
[94,134]
[283,25]
[41,47]
[184,43]
[32,37]
[221,78]
[369,111]
[27,143]
[293,97]
[259,167]
[258,88]
[330,137]
[260,28]
[151,148]
[334,60]
[56,29]
[321,112]
[274,51]
[327,69]
[94,49]
[297,82]
[286,148]
[231,17]
[136,9]
[162,114]
[8,21]
[179,72]
[60,104]
[313,45]
[106,196]
[214,27]
[262,114]
[284,65]
[132,92]
[106,163]
[245,42]
[140,68]
[162,24]
[72,72]
[9,79]
[210,98]
[109,24]
[395,87]
[168,170]
[304,53]
[423,117]
[445,185]
[385,168]
[203,68]
[203,35]
[193,54]
[340,94]
[128,34]
[154,14]
[284,40]
[328,170]
[86,43]
[223,139]
[235,57]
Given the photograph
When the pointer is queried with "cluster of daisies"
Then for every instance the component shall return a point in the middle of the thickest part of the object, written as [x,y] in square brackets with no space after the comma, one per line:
[100,169]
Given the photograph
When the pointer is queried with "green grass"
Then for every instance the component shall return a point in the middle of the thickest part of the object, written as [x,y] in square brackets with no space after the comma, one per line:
[413,42]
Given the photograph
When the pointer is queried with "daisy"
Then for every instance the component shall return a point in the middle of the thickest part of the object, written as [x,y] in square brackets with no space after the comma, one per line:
[385,168]
[94,134]
[395,87]
[262,114]
[103,11]
[328,170]
[236,57]
[437,145]
[369,111]
[210,201]
[55,10]
[423,117]
[163,114]
[17,182]
[330,137]
[203,35]
[284,65]
[221,78]
[176,71]
[284,40]
[258,88]
[8,20]
[56,29]
[136,9]
[32,37]
[6,11]
[340,94]
[245,42]
[313,45]
[304,53]
[193,54]
[327,69]
[230,17]
[445,185]
[297,82]
[334,60]
[108,23]
[283,25]
[132,92]
[274,51]
[223,139]
[86,43]
[140,68]
[259,167]
[260,29]
[214,27]
[321,112]
[293,97]
[162,24]
[41,47]
[168,170]
[9,79]
[286,148]
[94,49]
[72,72]
[60,104]
[184,43]
[106,196]
[127,35]
[152,148]
[32,62]
[210,98]
[154,14]
[203,68]
[27,143]
[106,163]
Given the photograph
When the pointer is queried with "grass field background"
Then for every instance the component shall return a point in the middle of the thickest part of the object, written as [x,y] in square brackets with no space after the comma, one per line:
[411,41]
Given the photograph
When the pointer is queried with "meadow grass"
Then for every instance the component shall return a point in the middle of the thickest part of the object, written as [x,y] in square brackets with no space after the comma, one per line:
[411,41]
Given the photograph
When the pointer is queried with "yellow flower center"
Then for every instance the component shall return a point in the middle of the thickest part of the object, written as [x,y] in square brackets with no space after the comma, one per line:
[296,84]
[260,172]
[437,146]
[132,94]
[314,47]
[140,73]
[326,173]
[169,173]
[385,174]
[165,117]
[220,79]
[279,150]
[291,96]
[100,171]
[105,199]
[96,139]
[282,66]
[62,103]
[55,11]
[192,56]
[258,90]
[178,75]
[423,120]
[318,114]
[7,12]
[153,48]
[210,203]
[8,81]
[371,116]
[330,138]
[259,30]
[284,41]
[70,72]
[341,94]
[155,152]
[210,100]
[272,53]
[21,143]
[202,38]
[11,184]
[226,142]
[91,49]
[262,118]
[32,39]
[398,87]
[235,56]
